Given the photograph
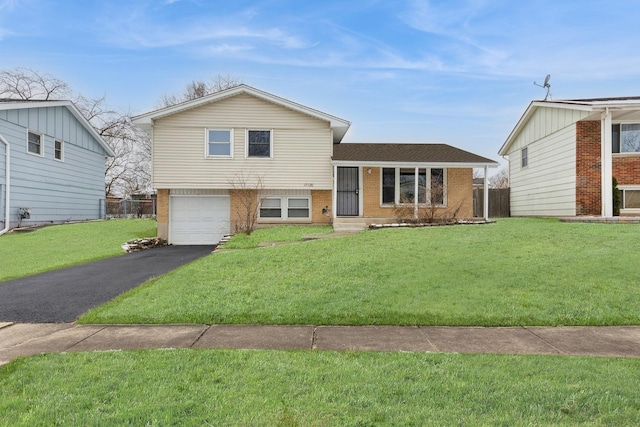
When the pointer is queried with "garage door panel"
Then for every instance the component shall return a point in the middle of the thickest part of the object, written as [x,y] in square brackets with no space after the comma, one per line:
[198,220]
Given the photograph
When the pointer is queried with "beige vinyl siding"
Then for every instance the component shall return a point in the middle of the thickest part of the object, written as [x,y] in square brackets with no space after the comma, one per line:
[302,147]
[547,186]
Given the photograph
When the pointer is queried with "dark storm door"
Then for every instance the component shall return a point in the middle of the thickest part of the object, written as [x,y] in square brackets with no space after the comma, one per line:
[347,192]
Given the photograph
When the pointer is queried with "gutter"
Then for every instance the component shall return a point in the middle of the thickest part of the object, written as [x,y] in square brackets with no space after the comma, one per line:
[7,218]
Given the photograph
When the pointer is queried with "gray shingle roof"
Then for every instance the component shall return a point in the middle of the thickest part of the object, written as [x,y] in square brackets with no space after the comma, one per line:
[409,153]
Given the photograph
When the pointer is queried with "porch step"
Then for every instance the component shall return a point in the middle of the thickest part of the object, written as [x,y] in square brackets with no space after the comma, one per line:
[349,226]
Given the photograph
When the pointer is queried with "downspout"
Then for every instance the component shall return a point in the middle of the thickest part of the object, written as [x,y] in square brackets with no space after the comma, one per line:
[485,190]
[7,218]
[606,165]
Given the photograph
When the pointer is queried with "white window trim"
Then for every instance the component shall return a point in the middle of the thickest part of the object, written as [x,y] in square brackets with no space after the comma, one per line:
[246,143]
[61,159]
[206,144]
[522,158]
[396,192]
[284,210]
[41,154]
[628,210]
[625,153]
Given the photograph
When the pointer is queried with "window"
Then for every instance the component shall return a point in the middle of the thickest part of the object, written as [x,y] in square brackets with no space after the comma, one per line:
[258,143]
[296,208]
[437,187]
[271,208]
[630,198]
[408,185]
[388,185]
[34,145]
[399,186]
[57,150]
[525,157]
[219,142]
[625,138]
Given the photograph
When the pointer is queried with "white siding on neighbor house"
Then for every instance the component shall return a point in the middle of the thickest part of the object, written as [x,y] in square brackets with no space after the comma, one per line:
[546,121]
[301,151]
[547,186]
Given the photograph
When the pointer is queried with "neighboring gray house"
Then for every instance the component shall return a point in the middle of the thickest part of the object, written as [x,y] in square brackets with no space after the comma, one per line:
[52,164]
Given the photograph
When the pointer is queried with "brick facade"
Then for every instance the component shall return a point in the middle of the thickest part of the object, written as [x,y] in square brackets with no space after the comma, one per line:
[459,194]
[626,169]
[321,199]
[588,171]
[162,213]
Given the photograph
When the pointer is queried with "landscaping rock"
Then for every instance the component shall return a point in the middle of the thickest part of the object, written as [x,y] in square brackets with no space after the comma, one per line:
[141,244]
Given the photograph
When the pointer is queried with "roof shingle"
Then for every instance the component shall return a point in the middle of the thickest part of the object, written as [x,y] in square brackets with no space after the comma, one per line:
[405,153]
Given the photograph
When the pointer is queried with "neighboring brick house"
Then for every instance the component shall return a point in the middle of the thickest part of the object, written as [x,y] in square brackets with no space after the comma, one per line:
[210,154]
[563,156]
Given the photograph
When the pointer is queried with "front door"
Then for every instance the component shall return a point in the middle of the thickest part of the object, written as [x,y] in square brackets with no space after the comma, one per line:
[347,192]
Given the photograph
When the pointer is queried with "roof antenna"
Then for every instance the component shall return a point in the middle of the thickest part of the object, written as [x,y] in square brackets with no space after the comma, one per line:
[546,85]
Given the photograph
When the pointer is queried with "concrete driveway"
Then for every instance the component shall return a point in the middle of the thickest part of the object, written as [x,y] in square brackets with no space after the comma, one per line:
[63,295]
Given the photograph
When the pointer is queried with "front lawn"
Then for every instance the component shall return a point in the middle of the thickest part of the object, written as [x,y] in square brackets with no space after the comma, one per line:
[50,248]
[515,272]
[305,388]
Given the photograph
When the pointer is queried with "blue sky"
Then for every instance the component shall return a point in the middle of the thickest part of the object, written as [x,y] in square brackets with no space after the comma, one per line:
[454,71]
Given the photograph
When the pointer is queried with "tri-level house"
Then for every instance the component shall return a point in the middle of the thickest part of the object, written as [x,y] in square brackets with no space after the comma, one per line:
[52,164]
[210,153]
[563,156]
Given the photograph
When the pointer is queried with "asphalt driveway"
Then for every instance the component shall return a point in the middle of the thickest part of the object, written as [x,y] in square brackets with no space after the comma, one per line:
[63,295]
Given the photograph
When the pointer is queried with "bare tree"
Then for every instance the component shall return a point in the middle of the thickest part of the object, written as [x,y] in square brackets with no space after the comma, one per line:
[24,83]
[500,179]
[246,192]
[129,170]
[198,88]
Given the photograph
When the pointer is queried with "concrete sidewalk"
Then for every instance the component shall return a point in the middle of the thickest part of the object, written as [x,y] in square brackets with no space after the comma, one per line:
[24,339]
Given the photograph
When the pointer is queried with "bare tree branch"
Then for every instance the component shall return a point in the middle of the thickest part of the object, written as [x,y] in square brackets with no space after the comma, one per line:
[500,179]
[130,169]
[198,88]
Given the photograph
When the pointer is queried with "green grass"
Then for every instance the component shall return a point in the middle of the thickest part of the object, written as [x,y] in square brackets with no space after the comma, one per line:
[50,248]
[515,272]
[286,233]
[275,388]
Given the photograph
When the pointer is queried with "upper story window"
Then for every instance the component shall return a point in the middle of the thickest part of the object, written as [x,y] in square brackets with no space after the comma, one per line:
[34,144]
[219,142]
[58,150]
[525,157]
[259,143]
[625,138]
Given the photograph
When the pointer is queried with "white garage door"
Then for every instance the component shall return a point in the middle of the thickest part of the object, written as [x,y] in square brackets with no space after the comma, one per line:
[198,220]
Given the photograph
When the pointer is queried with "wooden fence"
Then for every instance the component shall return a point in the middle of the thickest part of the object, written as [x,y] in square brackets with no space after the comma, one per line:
[498,202]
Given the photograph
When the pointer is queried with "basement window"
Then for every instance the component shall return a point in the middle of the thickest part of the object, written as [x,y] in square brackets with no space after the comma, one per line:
[295,208]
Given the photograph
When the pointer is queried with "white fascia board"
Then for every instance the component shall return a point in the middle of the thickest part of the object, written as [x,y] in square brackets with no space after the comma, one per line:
[340,126]
[531,109]
[448,165]
[71,107]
